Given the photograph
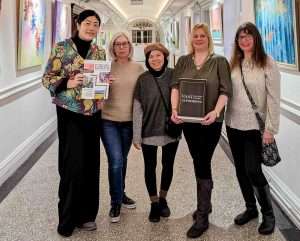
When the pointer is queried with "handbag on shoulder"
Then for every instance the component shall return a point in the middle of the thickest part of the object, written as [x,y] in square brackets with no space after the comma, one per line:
[173,130]
[270,154]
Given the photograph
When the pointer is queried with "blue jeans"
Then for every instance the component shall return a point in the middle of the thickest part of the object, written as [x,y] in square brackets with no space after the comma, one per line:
[117,139]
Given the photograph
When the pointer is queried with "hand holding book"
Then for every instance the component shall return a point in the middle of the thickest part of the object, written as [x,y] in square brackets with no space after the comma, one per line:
[209,118]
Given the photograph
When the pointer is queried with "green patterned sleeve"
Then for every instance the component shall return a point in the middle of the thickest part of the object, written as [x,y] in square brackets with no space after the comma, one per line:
[54,73]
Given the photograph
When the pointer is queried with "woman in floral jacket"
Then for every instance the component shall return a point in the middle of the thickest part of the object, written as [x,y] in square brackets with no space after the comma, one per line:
[78,125]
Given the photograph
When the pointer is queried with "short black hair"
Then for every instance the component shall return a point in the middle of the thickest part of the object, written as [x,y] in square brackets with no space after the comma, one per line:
[87,13]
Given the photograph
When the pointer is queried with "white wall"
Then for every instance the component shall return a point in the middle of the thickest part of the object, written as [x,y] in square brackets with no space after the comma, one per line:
[26,113]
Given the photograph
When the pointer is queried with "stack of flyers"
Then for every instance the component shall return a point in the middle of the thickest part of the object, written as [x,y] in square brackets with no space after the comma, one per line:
[96,79]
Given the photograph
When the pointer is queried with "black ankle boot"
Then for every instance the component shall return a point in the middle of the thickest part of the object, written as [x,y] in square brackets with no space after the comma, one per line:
[246,216]
[268,219]
[201,224]
[154,215]
[164,208]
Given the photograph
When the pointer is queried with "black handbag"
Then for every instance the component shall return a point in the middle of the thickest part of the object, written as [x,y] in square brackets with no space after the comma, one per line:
[173,130]
[270,153]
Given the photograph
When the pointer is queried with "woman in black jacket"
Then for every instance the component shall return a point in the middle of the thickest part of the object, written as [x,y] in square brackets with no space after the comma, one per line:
[149,118]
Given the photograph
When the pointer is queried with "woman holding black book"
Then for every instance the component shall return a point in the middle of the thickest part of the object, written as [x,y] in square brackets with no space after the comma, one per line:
[202,137]
[253,69]
[150,111]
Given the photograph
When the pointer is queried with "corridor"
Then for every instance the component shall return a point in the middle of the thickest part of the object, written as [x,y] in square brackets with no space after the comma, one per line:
[30,29]
[29,212]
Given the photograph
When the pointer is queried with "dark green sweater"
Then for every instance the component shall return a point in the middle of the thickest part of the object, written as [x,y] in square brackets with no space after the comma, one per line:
[215,70]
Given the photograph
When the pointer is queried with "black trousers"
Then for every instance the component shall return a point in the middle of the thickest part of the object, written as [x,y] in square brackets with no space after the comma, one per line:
[202,141]
[78,166]
[150,160]
[246,151]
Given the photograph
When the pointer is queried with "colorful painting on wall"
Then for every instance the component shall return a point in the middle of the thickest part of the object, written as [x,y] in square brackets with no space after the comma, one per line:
[275,20]
[216,22]
[62,22]
[31,42]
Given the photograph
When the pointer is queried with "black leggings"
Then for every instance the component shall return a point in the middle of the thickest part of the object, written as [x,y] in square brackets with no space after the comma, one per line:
[150,160]
[202,141]
[246,151]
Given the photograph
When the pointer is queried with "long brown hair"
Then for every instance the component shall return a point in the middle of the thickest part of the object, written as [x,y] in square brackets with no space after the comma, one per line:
[259,55]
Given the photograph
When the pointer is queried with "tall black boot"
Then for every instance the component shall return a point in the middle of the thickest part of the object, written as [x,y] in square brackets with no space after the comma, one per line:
[268,219]
[204,189]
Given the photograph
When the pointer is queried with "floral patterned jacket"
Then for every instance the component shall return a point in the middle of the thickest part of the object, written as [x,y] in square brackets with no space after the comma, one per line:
[63,64]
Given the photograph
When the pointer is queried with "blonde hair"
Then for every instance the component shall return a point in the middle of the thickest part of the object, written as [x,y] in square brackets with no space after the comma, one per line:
[205,28]
[112,42]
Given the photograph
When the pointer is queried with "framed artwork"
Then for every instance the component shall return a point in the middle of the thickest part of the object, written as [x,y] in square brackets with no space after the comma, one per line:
[61,22]
[216,23]
[276,21]
[31,37]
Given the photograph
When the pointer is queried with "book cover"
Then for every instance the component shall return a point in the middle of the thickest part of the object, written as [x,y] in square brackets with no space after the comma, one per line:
[192,95]
[96,77]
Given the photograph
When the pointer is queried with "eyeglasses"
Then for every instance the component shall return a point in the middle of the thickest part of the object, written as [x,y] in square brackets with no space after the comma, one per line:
[246,37]
[123,45]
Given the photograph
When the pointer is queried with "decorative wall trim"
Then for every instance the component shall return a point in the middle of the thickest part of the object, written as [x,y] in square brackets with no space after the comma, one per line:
[9,165]
[283,195]
[15,91]
[290,110]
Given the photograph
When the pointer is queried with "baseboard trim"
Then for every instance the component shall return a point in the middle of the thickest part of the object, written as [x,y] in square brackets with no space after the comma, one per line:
[288,202]
[9,165]
[284,197]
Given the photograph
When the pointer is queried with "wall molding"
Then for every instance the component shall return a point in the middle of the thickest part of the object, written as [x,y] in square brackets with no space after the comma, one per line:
[285,198]
[290,110]
[281,193]
[21,153]
[16,91]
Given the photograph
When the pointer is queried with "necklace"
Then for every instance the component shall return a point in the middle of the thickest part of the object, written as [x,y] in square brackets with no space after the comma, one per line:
[198,66]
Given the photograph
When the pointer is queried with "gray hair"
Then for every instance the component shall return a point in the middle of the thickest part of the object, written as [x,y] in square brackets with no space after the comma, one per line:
[112,42]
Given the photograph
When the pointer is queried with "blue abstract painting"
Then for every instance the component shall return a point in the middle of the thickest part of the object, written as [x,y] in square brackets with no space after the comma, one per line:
[274,19]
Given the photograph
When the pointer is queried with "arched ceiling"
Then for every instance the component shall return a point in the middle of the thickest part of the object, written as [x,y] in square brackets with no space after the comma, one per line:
[128,12]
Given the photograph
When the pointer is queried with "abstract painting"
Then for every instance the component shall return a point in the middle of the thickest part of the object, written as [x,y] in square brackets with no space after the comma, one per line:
[275,21]
[216,22]
[31,42]
[62,21]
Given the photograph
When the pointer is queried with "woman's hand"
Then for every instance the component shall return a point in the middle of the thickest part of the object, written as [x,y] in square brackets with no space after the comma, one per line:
[111,79]
[100,104]
[209,118]
[175,118]
[75,81]
[268,137]
[137,146]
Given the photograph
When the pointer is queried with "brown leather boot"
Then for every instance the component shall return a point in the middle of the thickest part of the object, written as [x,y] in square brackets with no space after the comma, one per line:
[201,224]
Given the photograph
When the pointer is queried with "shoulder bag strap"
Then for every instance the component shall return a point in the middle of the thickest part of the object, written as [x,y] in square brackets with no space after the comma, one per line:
[162,97]
[260,121]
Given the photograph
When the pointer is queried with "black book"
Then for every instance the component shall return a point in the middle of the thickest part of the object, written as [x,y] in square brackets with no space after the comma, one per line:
[192,95]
